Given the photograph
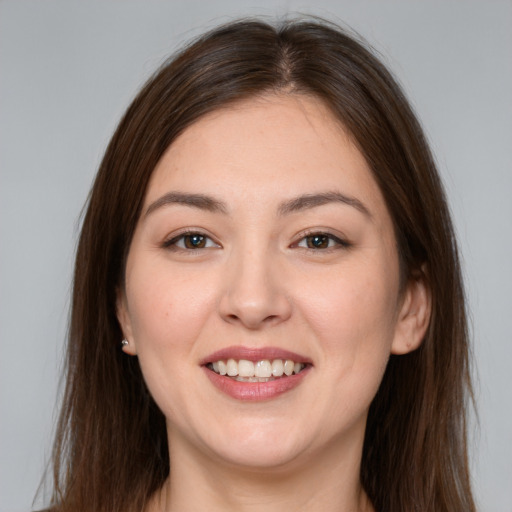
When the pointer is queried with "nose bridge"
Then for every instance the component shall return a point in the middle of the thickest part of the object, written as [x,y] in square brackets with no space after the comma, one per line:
[254,293]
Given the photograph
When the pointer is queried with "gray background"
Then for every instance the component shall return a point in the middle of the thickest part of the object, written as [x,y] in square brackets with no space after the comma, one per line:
[67,72]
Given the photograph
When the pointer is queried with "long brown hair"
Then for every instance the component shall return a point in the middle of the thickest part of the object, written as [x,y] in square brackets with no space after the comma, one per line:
[111,448]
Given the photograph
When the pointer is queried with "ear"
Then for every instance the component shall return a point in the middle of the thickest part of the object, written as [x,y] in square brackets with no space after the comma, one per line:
[123,317]
[413,316]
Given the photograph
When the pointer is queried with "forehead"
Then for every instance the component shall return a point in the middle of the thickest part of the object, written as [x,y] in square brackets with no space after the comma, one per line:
[264,149]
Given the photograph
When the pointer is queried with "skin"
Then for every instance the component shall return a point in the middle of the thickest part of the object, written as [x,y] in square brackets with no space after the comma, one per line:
[257,283]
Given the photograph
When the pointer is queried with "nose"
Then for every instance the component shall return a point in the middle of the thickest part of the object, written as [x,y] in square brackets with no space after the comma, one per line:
[254,293]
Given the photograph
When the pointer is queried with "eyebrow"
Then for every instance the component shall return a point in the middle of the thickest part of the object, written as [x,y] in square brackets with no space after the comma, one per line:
[307,201]
[201,201]
[297,204]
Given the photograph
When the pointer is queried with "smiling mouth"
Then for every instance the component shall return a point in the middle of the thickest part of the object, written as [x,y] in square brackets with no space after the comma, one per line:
[265,370]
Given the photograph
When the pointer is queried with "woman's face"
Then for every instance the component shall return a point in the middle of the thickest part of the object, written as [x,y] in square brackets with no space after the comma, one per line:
[265,239]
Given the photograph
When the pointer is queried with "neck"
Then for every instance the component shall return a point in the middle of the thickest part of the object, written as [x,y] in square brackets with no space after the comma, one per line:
[326,482]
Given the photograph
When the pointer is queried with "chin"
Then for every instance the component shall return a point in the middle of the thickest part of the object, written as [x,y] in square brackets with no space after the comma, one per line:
[261,456]
[257,443]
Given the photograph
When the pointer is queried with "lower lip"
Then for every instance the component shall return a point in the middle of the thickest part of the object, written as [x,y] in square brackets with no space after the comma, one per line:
[255,391]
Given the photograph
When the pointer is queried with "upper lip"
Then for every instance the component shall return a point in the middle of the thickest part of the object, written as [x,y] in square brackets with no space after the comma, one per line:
[254,354]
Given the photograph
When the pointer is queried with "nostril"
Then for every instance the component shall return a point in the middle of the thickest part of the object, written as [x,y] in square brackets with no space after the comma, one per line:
[253,321]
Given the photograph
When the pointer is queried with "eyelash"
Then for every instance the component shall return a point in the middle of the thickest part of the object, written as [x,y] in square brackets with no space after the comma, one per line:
[337,243]
[333,242]
[172,243]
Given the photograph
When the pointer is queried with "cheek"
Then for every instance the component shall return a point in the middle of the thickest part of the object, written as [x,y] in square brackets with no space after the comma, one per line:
[168,316]
[168,311]
[352,302]
[354,324]
[165,305]
[353,315]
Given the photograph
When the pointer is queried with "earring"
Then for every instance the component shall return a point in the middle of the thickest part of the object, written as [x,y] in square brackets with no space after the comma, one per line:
[124,343]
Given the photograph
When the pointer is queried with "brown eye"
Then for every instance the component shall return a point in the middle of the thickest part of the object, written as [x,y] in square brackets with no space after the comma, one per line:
[194,241]
[317,241]
[322,241]
[190,241]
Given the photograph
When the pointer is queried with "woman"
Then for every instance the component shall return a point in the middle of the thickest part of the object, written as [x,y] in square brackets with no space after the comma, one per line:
[267,309]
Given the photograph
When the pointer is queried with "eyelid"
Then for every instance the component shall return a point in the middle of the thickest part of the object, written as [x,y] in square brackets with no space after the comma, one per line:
[170,241]
[340,240]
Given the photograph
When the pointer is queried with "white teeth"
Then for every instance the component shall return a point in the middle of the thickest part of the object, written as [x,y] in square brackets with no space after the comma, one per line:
[263,369]
[222,367]
[232,368]
[245,368]
[288,367]
[260,371]
[277,368]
